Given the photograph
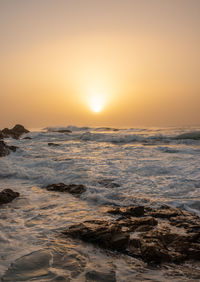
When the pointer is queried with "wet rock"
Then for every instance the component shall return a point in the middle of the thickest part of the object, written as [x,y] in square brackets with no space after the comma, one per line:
[46,264]
[53,144]
[75,189]
[63,131]
[100,276]
[1,135]
[154,253]
[5,149]
[7,195]
[165,212]
[128,211]
[108,183]
[30,267]
[15,132]
[104,234]
[155,235]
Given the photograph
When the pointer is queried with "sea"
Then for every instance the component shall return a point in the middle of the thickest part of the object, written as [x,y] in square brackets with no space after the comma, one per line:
[152,166]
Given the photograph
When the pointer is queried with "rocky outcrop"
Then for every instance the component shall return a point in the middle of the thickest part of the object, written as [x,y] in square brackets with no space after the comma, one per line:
[5,149]
[7,195]
[75,189]
[53,144]
[15,132]
[153,235]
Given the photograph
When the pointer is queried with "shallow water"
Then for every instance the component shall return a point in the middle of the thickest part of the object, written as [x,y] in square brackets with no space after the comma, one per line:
[152,166]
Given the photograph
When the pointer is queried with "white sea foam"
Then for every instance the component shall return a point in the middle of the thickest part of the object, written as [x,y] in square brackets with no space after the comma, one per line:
[151,162]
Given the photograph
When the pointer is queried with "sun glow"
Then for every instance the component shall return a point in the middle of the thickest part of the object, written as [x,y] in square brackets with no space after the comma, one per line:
[96,103]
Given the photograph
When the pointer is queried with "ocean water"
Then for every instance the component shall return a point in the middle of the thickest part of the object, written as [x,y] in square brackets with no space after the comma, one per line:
[151,165]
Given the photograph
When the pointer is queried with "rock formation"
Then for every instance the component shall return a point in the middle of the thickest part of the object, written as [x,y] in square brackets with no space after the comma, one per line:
[154,235]
[15,132]
[5,149]
[75,189]
[7,195]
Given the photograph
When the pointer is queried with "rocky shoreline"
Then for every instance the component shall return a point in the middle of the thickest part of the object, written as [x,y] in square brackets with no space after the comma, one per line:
[154,235]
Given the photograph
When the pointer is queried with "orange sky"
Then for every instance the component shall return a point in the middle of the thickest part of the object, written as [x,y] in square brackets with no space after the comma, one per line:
[141,57]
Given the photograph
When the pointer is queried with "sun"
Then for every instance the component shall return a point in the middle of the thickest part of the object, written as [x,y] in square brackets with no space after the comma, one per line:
[96,103]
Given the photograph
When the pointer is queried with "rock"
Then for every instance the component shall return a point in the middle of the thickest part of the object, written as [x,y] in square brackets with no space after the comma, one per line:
[155,235]
[27,138]
[1,135]
[15,132]
[5,149]
[128,211]
[30,267]
[75,189]
[108,183]
[46,264]
[104,234]
[100,276]
[62,131]
[154,253]
[7,195]
[53,144]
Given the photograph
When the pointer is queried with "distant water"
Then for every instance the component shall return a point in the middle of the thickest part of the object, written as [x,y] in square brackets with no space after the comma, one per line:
[151,165]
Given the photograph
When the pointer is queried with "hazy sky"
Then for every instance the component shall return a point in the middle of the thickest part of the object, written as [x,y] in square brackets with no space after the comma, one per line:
[139,59]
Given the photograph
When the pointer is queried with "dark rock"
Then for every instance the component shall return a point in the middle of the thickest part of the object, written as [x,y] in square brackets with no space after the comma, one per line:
[108,183]
[5,149]
[134,223]
[128,211]
[154,253]
[7,195]
[75,189]
[15,132]
[101,233]
[100,276]
[155,235]
[53,144]
[27,138]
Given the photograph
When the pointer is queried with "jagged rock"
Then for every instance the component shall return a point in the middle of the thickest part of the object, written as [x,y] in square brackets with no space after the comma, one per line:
[7,195]
[5,149]
[101,233]
[155,235]
[53,144]
[15,132]
[75,189]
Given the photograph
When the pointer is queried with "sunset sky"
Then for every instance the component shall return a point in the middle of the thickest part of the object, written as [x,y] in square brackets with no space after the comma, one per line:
[100,62]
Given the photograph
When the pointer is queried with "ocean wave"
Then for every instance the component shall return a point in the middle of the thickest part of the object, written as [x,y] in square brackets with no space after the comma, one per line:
[194,135]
